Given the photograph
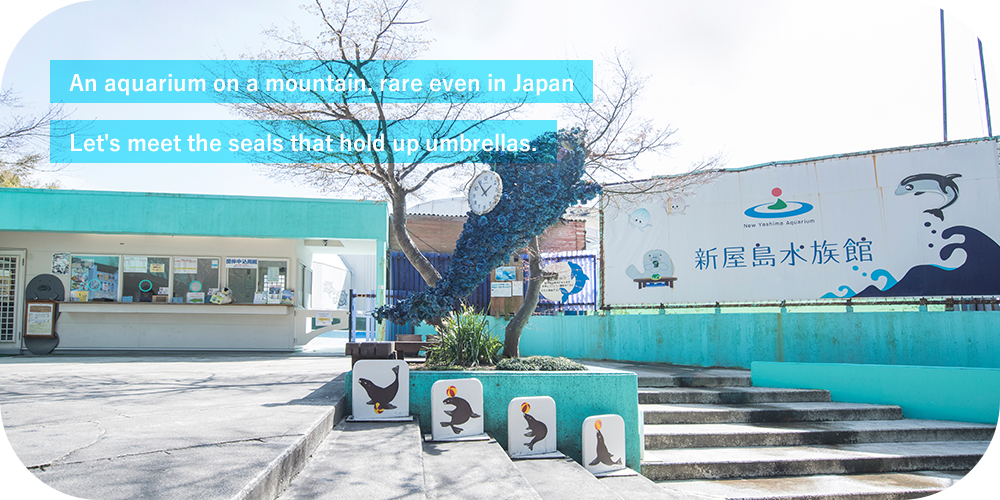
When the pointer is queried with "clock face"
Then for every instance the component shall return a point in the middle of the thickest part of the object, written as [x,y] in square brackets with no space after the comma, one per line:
[485,191]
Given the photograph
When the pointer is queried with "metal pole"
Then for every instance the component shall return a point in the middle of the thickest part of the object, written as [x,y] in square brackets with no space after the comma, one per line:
[986,95]
[350,316]
[944,82]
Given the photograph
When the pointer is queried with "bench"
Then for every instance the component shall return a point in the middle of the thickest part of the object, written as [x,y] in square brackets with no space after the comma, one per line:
[411,345]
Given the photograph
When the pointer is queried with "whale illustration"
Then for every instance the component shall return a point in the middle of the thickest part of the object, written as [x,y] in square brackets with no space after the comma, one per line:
[381,397]
[460,415]
[943,185]
[603,455]
[536,430]
[579,279]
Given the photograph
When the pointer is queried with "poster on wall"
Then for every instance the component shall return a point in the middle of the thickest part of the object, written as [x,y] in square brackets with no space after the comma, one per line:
[60,263]
[906,222]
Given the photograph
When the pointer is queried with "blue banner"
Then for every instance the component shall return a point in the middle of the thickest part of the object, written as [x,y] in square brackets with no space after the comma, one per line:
[313,81]
[286,141]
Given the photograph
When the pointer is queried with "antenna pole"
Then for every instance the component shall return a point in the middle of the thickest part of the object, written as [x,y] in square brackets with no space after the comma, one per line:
[986,95]
[944,82]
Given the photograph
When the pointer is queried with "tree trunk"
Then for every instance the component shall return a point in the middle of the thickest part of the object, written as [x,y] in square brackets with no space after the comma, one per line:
[410,250]
[512,335]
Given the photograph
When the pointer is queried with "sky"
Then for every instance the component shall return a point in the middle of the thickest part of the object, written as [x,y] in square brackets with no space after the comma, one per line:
[755,80]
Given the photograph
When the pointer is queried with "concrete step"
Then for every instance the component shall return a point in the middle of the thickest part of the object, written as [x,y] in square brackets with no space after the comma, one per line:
[725,463]
[702,378]
[363,460]
[766,412]
[729,395]
[662,436]
[892,486]
[564,479]
[661,375]
[470,470]
[632,487]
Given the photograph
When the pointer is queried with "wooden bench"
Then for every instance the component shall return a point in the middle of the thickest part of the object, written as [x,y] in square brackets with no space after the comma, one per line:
[369,350]
[411,345]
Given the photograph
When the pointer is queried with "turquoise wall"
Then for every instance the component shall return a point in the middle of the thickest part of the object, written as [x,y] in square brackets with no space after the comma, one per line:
[190,215]
[578,395]
[935,338]
[926,392]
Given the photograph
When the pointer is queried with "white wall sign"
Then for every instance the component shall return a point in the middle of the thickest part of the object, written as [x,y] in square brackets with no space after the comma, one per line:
[457,409]
[531,427]
[240,263]
[603,443]
[501,289]
[911,222]
[381,389]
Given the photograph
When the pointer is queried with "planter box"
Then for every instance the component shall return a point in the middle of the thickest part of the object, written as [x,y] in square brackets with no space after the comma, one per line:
[578,395]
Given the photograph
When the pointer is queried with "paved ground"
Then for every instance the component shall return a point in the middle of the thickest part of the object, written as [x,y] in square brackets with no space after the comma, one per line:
[167,426]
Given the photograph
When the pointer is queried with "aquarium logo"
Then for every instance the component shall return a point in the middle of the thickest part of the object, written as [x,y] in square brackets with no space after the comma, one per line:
[779,209]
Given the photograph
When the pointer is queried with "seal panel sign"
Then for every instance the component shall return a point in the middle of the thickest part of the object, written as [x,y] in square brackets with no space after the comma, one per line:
[457,409]
[603,444]
[381,390]
[531,427]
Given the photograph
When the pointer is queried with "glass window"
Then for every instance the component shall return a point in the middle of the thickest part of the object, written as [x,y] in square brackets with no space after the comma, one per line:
[195,278]
[273,275]
[246,277]
[143,277]
[94,278]
[241,278]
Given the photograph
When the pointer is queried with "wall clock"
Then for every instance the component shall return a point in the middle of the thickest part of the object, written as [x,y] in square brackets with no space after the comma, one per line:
[485,191]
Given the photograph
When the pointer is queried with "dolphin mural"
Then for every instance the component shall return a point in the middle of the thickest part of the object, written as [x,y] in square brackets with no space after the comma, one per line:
[943,185]
[579,279]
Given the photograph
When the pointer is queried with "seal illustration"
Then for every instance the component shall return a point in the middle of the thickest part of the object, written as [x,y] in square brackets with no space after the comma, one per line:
[536,430]
[655,262]
[943,185]
[460,415]
[382,396]
[603,455]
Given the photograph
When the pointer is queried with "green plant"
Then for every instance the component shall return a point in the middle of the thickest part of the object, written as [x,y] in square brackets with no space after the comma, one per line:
[540,363]
[464,339]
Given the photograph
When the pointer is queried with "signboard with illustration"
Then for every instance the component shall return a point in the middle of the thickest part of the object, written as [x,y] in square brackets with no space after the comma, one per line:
[907,222]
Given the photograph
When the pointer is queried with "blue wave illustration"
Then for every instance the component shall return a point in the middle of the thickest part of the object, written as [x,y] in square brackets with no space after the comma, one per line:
[843,288]
[890,281]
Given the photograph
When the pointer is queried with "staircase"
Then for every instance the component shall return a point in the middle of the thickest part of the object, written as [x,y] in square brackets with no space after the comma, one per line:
[713,434]
[381,460]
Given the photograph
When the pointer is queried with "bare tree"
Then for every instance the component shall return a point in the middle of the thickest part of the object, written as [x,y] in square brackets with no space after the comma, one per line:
[358,39]
[616,137]
[22,147]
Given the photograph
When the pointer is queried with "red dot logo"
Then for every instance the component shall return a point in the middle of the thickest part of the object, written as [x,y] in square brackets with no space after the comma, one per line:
[776,192]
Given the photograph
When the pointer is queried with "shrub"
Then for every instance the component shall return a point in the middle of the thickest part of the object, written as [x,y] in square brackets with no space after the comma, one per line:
[464,339]
[540,363]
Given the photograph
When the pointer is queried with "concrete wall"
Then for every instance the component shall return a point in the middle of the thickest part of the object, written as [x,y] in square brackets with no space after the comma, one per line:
[925,392]
[736,339]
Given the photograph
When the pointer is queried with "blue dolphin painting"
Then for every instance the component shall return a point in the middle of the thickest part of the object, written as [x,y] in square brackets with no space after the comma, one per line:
[579,279]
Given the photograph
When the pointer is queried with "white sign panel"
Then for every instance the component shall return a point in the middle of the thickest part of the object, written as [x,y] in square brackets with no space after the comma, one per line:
[240,263]
[501,289]
[380,389]
[911,222]
[457,409]
[603,443]
[531,427]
